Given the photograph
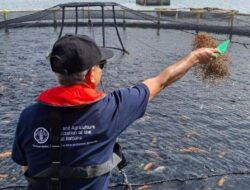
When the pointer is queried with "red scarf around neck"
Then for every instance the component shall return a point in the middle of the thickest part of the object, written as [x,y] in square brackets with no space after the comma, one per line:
[69,96]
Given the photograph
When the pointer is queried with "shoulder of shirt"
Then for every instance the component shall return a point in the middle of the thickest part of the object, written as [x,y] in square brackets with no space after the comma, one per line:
[138,86]
[118,93]
[26,117]
[30,109]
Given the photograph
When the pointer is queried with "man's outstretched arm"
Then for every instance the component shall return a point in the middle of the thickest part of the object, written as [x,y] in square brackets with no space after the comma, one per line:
[175,71]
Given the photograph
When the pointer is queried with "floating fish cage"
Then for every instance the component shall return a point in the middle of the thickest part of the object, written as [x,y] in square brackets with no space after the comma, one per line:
[82,14]
[115,15]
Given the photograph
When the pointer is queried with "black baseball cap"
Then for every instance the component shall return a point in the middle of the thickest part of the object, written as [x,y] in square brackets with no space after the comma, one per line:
[75,53]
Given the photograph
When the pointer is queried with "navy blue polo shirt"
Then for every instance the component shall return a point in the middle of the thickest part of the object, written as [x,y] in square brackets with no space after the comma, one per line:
[87,137]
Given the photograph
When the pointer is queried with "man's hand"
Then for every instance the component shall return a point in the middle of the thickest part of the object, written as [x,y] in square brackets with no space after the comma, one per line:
[204,55]
[175,71]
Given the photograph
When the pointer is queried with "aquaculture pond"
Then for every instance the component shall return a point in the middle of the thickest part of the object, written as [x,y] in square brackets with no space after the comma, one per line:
[193,135]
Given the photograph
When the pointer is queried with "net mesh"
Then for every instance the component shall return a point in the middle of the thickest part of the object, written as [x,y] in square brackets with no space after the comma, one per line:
[209,20]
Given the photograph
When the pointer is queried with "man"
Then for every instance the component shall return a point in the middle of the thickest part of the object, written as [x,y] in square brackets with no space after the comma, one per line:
[74,126]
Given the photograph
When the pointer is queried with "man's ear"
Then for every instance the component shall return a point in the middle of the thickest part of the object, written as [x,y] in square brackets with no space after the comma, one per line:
[88,76]
[89,79]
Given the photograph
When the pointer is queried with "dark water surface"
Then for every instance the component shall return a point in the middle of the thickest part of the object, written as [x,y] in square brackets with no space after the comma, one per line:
[213,121]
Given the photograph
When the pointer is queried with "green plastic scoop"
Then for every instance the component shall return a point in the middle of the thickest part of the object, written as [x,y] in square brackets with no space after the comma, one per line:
[222,48]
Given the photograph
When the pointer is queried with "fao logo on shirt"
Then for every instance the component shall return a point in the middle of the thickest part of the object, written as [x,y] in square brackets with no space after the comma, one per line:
[41,135]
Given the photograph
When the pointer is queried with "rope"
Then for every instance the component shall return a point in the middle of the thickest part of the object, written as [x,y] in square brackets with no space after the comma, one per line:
[180,179]
[30,17]
[147,45]
[13,187]
[188,32]
[125,180]
[142,15]
[130,185]
[33,23]
[152,18]
[244,21]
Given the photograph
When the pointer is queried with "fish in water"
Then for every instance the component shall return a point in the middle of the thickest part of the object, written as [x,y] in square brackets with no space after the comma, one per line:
[160,169]
[144,187]
[5,154]
[221,182]
[192,150]
[3,176]
[153,154]
[147,166]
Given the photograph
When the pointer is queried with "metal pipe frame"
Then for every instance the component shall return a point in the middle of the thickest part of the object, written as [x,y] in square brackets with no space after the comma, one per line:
[103,27]
[76,29]
[62,24]
[117,31]
[102,5]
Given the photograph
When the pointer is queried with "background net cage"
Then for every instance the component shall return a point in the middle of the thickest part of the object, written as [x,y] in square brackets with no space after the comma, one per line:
[108,14]
[99,16]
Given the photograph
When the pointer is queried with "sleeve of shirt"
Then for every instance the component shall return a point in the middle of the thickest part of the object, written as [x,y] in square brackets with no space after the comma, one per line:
[131,105]
[18,154]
